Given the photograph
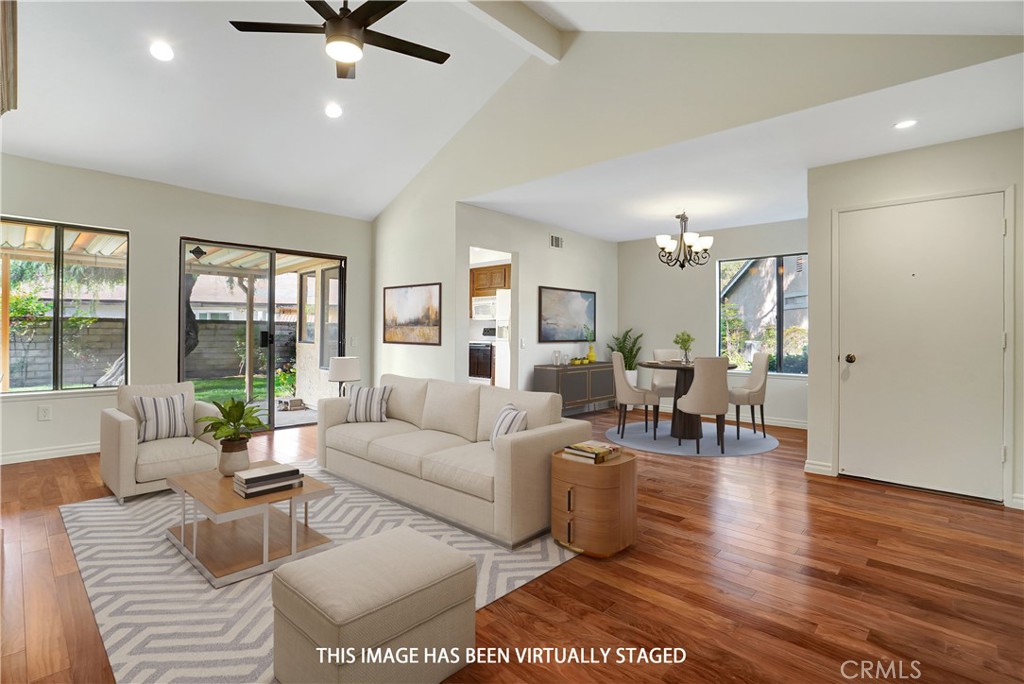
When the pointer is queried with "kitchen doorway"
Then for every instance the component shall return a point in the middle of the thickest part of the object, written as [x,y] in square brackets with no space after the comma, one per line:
[490,317]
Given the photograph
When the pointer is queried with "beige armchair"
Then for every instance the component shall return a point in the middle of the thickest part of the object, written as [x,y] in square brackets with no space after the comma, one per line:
[128,467]
[709,393]
[626,394]
[752,392]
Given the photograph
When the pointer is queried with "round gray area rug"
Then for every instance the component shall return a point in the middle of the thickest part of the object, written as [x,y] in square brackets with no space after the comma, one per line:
[747,445]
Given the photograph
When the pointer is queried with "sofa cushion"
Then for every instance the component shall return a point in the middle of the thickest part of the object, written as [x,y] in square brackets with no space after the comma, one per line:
[165,457]
[453,407]
[369,405]
[403,452]
[542,408]
[355,438]
[407,397]
[468,468]
[509,420]
[126,394]
[161,417]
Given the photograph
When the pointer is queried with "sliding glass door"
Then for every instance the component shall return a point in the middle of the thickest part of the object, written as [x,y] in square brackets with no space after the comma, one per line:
[226,345]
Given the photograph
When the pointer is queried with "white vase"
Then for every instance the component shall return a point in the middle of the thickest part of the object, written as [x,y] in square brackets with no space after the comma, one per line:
[234,456]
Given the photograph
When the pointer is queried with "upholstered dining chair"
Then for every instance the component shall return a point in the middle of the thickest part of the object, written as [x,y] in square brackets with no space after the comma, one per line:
[151,435]
[663,382]
[626,394]
[752,392]
[709,394]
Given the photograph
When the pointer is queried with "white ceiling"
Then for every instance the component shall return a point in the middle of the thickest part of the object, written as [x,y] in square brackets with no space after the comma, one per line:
[242,114]
[822,16]
[758,173]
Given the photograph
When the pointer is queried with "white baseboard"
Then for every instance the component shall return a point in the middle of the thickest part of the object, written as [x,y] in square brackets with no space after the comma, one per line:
[818,468]
[1016,501]
[26,455]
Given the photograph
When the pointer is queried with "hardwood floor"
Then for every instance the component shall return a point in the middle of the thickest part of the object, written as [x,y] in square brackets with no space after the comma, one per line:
[761,572]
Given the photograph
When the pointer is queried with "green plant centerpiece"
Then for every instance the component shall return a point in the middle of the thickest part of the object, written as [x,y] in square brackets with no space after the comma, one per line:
[233,427]
[629,346]
[684,341]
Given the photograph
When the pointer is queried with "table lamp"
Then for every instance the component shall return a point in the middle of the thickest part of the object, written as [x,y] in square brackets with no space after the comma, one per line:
[343,369]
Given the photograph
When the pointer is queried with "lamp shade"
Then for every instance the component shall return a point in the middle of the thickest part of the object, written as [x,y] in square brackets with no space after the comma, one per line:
[343,369]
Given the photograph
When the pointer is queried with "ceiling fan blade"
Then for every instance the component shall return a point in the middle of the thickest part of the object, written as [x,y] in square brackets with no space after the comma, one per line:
[403,46]
[346,70]
[269,27]
[373,11]
[323,9]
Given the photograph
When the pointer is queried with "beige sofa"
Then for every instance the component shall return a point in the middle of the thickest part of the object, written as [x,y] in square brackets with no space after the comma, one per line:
[434,453]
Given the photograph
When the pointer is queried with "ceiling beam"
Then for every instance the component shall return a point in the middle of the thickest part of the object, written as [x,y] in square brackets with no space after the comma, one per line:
[521,25]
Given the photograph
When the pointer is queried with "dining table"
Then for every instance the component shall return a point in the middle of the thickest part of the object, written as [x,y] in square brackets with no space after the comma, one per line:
[684,425]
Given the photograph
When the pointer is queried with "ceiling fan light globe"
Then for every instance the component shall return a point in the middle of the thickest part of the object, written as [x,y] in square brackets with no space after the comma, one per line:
[663,241]
[690,239]
[704,243]
[344,49]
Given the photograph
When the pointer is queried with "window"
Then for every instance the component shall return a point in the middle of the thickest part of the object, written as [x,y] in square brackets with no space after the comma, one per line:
[65,307]
[330,296]
[307,307]
[762,306]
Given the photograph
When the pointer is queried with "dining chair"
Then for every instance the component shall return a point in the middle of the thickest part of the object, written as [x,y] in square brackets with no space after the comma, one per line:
[709,394]
[752,392]
[663,382]
[626,394]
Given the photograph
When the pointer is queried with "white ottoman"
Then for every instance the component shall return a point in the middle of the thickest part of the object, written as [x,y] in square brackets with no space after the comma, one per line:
[397,589]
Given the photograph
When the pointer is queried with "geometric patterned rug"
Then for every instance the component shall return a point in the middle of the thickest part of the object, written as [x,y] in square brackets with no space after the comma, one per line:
[161,621]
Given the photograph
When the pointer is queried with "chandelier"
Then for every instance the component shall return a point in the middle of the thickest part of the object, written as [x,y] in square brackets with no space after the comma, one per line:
[689,249]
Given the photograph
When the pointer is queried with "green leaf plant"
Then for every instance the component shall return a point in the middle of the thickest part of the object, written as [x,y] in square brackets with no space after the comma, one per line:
[627,345]
[237,421]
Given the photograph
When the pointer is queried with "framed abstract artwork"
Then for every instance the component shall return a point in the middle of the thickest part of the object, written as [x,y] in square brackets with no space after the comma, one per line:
[412,314]
[564,314]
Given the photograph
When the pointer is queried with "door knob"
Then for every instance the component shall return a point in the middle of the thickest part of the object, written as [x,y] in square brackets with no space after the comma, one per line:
[851,358]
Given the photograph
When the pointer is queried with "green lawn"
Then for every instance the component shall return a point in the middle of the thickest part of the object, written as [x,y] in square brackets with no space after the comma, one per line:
[221,389]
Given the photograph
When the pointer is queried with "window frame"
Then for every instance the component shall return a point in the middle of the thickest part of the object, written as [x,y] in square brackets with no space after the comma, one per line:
[57,307]
[780,309]
[325,301]
[300,327]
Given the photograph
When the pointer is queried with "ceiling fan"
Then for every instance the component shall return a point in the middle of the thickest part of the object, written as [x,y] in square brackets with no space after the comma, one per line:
[347,31]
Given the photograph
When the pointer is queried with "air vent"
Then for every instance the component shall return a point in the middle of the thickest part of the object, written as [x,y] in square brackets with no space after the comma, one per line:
[556,242]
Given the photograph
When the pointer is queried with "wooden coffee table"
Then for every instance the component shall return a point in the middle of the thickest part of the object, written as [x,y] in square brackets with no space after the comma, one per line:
[240,538]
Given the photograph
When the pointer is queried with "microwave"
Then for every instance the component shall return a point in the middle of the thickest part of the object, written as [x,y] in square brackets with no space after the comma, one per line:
[484,308]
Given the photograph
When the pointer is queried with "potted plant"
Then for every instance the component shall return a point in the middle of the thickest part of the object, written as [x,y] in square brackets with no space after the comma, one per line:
[629,346]
[233,427]
[685,342]
[588,335]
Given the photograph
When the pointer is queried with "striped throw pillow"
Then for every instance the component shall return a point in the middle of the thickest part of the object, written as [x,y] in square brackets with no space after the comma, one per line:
[161,417]
[509,420]
[369,404]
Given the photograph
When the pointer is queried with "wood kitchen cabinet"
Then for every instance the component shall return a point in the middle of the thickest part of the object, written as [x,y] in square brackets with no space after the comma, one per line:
[593,506]
[485,280]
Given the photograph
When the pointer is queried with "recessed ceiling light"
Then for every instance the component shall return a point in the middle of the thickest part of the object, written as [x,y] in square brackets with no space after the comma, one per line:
[161,51]
[333,110]
[906,124]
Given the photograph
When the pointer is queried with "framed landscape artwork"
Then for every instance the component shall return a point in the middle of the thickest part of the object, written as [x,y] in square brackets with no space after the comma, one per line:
[412,314]
[563,314]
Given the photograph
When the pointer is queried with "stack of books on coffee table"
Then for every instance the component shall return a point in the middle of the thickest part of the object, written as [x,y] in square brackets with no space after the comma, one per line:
[590,451]
[266,479]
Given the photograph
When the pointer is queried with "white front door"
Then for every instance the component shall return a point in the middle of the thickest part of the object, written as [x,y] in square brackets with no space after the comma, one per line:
[921,344]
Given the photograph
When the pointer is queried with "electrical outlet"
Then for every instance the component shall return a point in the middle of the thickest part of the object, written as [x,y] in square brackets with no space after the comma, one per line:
[522,343]
[44,413]
[352,342]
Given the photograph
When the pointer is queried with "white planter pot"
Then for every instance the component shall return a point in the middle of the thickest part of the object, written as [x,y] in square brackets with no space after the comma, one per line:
[230,461]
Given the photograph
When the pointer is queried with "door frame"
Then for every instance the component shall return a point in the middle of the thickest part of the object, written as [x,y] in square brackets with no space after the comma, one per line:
[1009,320]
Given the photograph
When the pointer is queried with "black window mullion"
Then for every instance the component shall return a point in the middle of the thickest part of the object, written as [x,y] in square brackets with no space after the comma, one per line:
[779,311]
[58,307]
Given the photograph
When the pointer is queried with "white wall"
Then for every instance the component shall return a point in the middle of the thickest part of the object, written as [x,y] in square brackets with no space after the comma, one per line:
[660,301]
[992,162]
[583,263]
[613,94]
[156,216]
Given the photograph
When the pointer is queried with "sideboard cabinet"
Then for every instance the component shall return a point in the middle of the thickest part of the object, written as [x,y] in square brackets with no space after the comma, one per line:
[580,386]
